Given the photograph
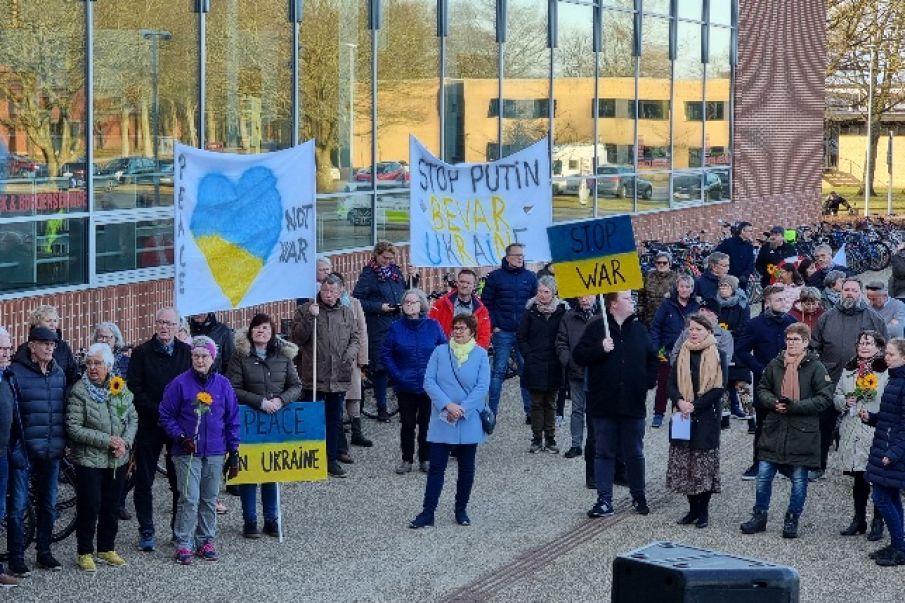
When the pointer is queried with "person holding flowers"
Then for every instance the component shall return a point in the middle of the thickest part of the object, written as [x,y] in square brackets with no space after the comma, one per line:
[200,414]
[101,422]
[860,388]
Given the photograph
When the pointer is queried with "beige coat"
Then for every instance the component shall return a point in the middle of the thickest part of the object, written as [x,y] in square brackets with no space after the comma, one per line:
[354,392]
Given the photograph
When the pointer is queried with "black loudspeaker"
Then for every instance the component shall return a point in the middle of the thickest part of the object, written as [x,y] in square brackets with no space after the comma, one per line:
[666,572]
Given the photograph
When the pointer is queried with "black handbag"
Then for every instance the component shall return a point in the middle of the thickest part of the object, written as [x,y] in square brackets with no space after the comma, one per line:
[488,419]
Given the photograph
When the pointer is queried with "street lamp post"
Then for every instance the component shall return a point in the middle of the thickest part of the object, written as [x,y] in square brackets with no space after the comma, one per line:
[352,47]
[870,110]
[155,37]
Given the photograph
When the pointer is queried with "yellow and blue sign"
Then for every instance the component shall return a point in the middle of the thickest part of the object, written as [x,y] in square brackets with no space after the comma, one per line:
[595,256]
[286,446]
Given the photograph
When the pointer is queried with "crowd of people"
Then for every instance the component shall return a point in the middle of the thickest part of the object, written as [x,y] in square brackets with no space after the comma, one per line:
[818,372]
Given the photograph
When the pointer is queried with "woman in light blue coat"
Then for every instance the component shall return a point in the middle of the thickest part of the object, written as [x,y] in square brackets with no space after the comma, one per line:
[457,380]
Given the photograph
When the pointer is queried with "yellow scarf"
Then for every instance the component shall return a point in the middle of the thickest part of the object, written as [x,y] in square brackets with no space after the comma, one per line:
[462,350]
[710,373]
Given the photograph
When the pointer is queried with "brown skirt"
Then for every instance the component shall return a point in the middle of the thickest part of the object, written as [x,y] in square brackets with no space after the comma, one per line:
[691,471]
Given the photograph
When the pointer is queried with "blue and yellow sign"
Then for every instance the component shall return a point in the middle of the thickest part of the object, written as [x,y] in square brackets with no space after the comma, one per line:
[596,256]
[286,446]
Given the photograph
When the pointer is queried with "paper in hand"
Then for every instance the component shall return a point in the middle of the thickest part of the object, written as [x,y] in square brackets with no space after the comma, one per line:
[680,427]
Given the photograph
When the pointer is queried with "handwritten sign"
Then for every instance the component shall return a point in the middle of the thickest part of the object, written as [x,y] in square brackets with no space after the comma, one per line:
[596,256]
[466,214]
[245,228]
[286,446]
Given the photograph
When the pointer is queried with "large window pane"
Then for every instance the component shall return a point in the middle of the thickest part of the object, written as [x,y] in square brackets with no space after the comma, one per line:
[653,107]
[50,253]
[343,221]
[689,90]
[721,12]
[690,9]
[132,245]
[717,118]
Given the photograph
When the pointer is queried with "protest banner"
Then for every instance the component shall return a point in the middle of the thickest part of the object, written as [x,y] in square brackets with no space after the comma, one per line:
[286,446]
[245,228]
[595,256]
[466,214]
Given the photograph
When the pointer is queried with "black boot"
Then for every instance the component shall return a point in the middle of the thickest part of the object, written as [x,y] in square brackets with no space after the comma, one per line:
[703,510]
[858,526]
[724,421]
[790,525]
[358,438]
[757,523]
[876,528]
[692,514]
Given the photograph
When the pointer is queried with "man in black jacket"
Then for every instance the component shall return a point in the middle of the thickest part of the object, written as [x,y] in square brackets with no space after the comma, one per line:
[153,365]
[774,251]
[7,404]
[37,443]
[622,367]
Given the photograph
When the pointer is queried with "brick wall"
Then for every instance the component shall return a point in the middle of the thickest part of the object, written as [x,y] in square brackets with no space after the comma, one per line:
[779,100]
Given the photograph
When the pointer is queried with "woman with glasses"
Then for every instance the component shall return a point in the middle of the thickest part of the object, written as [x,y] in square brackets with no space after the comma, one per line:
[107,332]
[406,350]
[657,285]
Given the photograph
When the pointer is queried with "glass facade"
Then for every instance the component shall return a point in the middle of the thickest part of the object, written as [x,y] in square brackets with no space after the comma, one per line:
[635,96]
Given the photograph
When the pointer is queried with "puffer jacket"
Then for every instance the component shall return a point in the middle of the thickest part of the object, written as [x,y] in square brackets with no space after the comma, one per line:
[506,291]
[406,350]
[254,379]
[337,346]
[41,410]
[855,436]
[90,424]
[217,429]
[222,336]
[537,343]
[897,276]
[793,438]
[837,331]
[571,328]
[373,292]
[444,307]
[669,321]
[657,286]
[889,434]
[62,356]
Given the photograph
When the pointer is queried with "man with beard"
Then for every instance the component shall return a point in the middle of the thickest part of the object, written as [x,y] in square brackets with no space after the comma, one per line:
[834,338]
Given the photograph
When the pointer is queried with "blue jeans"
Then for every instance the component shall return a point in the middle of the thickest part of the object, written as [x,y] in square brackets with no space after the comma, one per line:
[766,471]
[439,457]
[504,345]
[379,382]
[889,502]
[622,438]
[44,473]
[248,493]
[333,413]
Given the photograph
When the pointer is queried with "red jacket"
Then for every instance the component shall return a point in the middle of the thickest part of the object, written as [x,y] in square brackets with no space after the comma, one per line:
[442,312]
[808,319]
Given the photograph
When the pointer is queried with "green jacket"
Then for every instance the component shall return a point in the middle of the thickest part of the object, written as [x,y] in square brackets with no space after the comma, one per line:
[793,438]
[89,426]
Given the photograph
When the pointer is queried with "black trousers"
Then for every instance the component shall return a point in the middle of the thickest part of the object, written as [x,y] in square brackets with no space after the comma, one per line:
[827,427]
[97,506]
[149,442]
[414,412]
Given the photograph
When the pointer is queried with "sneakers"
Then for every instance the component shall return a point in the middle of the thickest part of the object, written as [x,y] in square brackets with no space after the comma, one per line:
[750,474]
[46,561]
[111,558]
[640,506]
[18,569]
[208,552]
[403,467]
[250,530]
[536,446]
[272,528]
[334,469]
[572,452]
[601,509]
[220,508]
[657,422]
[551,446]
[184,557]
[424,466]
[7,581]
[757,523]
[86,563]
[146,542]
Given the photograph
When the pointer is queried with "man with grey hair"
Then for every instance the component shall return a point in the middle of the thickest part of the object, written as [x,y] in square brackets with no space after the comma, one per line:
[7,404]
[823,260]
[707,286]
[154,364]
[891,310]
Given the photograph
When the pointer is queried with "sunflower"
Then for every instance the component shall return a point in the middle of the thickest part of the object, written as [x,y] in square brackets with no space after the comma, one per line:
[772,269]
[204,398]
[117,385]
[869,381]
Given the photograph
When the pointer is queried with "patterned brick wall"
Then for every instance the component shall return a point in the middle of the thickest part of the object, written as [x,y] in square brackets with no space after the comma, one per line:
[779,100]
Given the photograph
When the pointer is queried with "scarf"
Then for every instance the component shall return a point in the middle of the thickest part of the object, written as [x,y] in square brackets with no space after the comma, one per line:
[546,308]
[462,350]
[710,372]
[790,387]
[384,272]
[98,393]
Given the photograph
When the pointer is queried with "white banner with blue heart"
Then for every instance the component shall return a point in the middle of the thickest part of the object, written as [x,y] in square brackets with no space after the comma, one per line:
[466,214]
[245,228]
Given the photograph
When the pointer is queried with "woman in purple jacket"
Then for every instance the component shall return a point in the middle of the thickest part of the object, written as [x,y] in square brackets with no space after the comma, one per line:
[200,413]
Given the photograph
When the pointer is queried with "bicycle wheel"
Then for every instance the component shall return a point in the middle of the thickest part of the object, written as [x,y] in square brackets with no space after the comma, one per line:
[879,257]
[369,402]
[66,499]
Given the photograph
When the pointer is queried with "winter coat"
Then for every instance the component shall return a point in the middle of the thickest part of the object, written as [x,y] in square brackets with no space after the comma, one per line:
[506,291]
[443,312]
[466,385]
[708,407]
[254,379]
[571,328]
[406,350]
[819,277]
[897,276]
[769,255]
[657,286]
[617,381]
[793,438]
[707,286]
[763,337]
[809,318]
[7,405]
[150,371]
[855,436]
[373,292]
[741,258]
[537,343]
[354,392]
[836,334]
[337,346]
[734,314]
[62,356]
[90,425]
[889,435]
[221,334]
[217,430]
[41,410]
[669,321]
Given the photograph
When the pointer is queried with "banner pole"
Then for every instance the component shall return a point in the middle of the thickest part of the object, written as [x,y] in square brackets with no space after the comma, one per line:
[279,514]
[606,323]
[314,360]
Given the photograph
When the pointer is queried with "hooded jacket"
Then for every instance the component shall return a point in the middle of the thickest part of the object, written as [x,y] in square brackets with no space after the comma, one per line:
[889,435]
[855,436]
[571,328]
[406,350]
[222,336]
[669,321]
[337,346]
[836,334]
[657,286]
[41,410]
[537,343]
[255,379]
[443,312]
[217,429]
[506,291]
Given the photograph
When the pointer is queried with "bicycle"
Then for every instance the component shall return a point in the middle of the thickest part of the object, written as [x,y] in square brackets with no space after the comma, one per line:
[369,402]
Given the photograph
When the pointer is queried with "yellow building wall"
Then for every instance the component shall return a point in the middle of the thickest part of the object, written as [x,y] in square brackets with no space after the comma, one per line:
[853,149]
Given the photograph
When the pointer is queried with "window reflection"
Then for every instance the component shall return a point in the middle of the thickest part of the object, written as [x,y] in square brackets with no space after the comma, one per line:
[145,244]
[654,108]
[717,124]
[690,9]
[689,90]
